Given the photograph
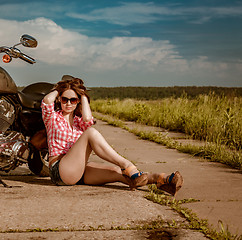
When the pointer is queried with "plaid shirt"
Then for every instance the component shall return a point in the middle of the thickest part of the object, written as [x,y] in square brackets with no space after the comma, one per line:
[60,135]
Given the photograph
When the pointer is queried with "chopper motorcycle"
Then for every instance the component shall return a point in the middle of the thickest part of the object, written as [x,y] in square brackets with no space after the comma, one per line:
[22,131]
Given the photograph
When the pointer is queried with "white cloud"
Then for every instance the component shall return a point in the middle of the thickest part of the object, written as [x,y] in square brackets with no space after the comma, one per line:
[227,11]
[140,13]
[61,46]
[201,20]
[126,14]
[137,58]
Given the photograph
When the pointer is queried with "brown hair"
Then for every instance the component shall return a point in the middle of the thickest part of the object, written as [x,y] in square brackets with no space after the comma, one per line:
[77,85]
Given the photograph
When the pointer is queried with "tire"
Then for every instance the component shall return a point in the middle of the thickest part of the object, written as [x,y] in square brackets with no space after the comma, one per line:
[38,162]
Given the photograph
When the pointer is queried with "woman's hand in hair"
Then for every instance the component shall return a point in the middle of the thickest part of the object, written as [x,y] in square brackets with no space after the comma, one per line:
[84,92]
[51,97]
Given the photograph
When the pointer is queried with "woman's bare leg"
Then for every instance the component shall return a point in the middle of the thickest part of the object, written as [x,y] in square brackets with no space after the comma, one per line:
[99,174]
[73,164]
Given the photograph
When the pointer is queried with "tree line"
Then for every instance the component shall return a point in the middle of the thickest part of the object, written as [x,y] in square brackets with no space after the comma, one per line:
[154,93]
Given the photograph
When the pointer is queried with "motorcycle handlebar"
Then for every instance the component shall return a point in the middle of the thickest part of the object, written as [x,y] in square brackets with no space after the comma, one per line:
[16,53]
[4,49]
[27,58]
[13,52]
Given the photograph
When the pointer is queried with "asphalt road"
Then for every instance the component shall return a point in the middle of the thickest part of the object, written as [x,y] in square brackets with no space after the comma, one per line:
[36,209]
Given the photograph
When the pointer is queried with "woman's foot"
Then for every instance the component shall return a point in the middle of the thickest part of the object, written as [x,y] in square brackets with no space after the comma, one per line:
[134,177]
[171,184]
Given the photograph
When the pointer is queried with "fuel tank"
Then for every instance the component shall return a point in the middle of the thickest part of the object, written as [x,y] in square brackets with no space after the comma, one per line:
[7,85]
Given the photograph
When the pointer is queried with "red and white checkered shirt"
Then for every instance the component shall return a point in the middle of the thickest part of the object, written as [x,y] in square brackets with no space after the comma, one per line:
[60,135]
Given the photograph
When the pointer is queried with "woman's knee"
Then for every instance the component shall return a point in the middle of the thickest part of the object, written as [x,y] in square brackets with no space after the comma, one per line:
[87,135]
[92,134]
[93,130]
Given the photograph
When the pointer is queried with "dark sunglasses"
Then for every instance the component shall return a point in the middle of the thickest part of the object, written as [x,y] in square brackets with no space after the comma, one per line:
[64,100]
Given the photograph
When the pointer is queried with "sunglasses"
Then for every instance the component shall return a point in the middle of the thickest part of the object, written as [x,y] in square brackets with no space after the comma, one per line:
[65,100]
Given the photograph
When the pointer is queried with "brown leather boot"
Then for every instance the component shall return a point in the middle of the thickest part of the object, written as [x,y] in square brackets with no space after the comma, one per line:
[171,183]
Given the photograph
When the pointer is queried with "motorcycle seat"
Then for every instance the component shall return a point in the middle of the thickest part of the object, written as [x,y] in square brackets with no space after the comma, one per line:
[30,100]
[32,95]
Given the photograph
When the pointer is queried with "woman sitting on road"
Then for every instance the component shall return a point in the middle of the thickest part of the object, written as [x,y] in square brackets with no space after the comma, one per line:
[71,139]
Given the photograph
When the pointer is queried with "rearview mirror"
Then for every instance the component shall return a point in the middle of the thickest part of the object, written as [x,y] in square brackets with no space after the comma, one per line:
[28,41]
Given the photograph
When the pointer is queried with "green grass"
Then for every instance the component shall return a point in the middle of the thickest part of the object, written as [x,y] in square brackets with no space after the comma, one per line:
[207,117]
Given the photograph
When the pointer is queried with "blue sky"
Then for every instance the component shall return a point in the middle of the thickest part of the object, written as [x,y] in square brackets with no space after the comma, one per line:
[127,43]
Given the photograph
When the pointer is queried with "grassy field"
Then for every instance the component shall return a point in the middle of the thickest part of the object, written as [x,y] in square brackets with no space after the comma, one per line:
[209,117]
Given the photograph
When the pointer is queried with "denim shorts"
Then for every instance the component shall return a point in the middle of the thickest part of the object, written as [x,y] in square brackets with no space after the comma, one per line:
[55,175]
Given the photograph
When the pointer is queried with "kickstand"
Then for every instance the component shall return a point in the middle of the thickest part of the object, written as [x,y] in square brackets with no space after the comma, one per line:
[4,184]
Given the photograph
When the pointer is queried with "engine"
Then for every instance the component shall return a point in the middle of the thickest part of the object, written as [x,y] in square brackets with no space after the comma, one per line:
[7,114]
[14,150]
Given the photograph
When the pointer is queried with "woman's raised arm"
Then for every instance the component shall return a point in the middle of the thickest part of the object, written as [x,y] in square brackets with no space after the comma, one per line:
[50,97]
[86,110]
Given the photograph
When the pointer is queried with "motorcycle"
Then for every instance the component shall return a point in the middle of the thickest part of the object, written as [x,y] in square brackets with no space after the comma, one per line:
[22,131]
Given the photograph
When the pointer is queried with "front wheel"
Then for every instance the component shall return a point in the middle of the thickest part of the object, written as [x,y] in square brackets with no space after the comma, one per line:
[38,162]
